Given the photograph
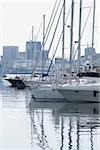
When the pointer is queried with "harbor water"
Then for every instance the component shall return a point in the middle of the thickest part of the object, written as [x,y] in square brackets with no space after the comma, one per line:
[28,124]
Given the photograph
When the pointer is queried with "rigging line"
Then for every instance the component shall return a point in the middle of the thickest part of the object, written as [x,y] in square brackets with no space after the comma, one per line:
[29,36]
[49,28]
[58,43]
[50,21]
[51,16]
[41,47]
[36,131]
[83,29]
[51,40]
[39,29]
[47,31]
[37,32]
[54,33]
[54,53]
[42,22]
[55,29]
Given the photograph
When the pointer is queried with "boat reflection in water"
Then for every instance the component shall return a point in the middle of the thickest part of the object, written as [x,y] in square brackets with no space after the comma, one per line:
[64,126]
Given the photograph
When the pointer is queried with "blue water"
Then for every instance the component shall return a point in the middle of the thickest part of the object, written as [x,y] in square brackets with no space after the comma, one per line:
[26,124]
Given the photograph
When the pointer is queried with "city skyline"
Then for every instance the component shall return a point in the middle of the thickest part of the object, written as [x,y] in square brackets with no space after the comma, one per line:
[17,18]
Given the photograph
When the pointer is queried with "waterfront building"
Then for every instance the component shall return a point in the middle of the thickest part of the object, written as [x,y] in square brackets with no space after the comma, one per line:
[33,50]
[44,55]
[10,53]
[58,64]
[22,66]
[21,55]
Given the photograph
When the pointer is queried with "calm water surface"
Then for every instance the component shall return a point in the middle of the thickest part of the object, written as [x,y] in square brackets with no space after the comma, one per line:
[26,124]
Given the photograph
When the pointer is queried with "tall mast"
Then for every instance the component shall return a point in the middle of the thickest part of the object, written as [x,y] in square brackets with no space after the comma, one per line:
[79,36]
[71,35]
[93,23]
[43,30]
[43,44]
[63,37]
[93,33]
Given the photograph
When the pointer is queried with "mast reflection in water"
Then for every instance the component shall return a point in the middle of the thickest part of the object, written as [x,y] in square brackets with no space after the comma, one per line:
[63,130]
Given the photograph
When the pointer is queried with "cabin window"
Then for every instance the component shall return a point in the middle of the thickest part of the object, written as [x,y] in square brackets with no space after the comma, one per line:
[76,91]
[94,93]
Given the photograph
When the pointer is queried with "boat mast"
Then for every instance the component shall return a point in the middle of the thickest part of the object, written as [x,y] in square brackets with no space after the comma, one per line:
[43,45]
[63,37]
[93,23]
[79,36]
[93,32]
[71,36]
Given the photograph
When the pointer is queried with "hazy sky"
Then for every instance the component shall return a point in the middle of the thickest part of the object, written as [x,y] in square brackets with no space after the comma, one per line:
[18,16]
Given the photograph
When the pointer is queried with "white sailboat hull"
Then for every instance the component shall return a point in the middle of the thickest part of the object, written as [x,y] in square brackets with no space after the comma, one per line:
[46,94]
[83,93]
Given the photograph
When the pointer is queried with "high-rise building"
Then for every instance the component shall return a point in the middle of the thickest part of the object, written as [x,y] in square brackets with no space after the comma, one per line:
[33,50]
[44,55]
[10,53]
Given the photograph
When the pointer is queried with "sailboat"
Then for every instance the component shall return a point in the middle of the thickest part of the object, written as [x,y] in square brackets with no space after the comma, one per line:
[48,92]
[88,91]
[36,79]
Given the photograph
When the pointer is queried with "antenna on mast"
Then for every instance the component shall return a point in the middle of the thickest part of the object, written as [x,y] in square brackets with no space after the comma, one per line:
[32,32]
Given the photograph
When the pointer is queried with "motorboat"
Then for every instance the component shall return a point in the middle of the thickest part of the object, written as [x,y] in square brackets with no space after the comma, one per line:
[16,82]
